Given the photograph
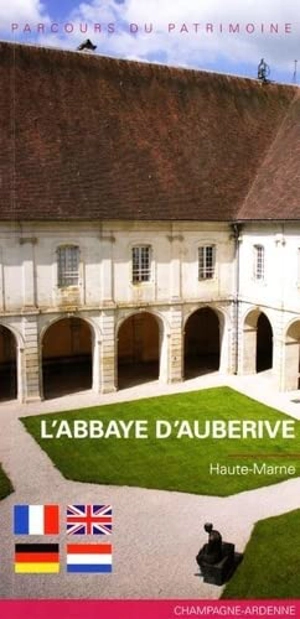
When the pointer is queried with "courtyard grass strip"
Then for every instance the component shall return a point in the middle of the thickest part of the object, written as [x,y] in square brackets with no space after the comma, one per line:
[6,487]
[174,464]
[271,565]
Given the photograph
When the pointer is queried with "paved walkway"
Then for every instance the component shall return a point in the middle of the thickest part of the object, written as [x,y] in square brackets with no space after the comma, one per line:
[156,534]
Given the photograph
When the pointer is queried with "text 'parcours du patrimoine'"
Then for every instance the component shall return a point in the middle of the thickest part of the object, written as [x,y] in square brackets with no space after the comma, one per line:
[162,429]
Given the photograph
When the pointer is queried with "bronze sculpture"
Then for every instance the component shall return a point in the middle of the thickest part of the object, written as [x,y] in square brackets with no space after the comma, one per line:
[217,560]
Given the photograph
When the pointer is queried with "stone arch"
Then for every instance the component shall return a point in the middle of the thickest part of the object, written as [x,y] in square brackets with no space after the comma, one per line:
[292,357]
[67,356]
[8,364]
[202,342]
[257,342]
[139,343]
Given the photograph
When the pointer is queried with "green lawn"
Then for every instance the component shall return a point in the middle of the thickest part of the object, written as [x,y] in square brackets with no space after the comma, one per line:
[5,484]
[170,464]
[271,565]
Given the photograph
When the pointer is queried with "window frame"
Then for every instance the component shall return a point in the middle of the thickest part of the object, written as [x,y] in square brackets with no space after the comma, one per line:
[141,274]
[259,264]
[206,264]
[68,277]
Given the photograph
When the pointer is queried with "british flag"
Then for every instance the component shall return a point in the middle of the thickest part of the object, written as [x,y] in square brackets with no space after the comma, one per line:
[89,519]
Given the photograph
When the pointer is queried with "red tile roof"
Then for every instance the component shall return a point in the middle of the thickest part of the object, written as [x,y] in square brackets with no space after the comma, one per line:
[89,137]
[275,192]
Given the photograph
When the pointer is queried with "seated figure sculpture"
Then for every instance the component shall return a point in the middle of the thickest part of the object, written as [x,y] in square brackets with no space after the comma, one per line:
[217,560]
[211,552]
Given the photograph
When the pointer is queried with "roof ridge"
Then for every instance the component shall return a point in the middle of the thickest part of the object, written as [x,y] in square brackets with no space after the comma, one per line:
[138,62]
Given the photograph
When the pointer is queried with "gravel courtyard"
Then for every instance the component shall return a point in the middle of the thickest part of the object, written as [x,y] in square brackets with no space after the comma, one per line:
[156,534]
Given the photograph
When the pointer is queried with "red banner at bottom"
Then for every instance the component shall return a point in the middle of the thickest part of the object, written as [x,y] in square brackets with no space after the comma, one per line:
[134,609]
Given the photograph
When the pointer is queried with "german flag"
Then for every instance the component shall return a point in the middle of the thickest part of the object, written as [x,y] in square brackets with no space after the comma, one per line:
[37,558]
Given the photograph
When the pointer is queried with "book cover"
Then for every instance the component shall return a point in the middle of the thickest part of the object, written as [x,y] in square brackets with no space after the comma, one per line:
[149,308]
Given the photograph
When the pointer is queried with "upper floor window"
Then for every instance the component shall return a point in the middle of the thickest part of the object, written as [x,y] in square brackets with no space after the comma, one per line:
[259,262]
[68,265]
[141,264]
[206,262]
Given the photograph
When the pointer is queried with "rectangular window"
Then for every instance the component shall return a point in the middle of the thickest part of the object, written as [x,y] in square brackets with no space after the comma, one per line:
[68,265]
[259,262]
[141,264]
[207,262]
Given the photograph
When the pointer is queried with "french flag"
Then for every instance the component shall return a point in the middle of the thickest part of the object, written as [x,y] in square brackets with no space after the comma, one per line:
[36,519]
[89,558]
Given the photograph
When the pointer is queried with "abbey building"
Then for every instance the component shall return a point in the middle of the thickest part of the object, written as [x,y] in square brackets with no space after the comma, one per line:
[149,224]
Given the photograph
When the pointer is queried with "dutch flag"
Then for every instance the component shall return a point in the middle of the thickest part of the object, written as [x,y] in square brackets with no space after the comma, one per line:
[36,519]
[89,558]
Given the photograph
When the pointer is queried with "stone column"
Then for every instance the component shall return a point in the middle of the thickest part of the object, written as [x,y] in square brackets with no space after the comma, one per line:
[290,373]
[176,345]
[96,385]
[21,374]
[107,352]
[231,364]
[32,359]
[249,350]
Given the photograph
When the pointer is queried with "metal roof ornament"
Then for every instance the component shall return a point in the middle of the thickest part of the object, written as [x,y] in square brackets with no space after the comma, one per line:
[263,72]
[87,45]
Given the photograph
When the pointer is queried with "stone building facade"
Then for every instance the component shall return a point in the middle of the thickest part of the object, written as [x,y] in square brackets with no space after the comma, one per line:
[171,326]
[164,250]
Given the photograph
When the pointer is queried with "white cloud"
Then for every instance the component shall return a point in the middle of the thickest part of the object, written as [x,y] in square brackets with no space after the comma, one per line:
[193,10]
[14,11]
[186,49]
[280,48]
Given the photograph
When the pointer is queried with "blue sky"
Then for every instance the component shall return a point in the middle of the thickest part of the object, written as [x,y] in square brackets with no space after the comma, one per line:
[60,9]
[181,44]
